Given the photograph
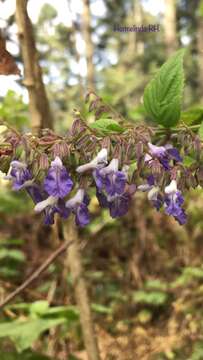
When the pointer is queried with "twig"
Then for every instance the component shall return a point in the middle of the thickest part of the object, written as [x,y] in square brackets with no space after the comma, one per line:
[37,273]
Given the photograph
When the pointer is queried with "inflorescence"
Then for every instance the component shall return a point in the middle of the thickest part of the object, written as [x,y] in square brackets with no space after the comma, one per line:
[60,173]
[56,193]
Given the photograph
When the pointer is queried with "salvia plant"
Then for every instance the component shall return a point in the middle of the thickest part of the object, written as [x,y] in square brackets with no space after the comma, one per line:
[111,156]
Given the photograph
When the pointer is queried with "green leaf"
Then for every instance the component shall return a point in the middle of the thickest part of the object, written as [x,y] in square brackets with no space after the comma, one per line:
[201,131]
[194,272]
[14,110]
[188,275]
[101,309]
[153,298]
[188,160]
[70,313]
[42,309]
[107,126]
[24,333]
[162,96]
[39,307]
[193,115]
[16,255]
[156,284]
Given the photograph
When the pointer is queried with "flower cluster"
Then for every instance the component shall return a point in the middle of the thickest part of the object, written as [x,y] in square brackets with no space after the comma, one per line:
[112,189]
[114,185]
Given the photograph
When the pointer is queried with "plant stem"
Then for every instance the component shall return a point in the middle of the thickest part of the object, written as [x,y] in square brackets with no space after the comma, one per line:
[81,295]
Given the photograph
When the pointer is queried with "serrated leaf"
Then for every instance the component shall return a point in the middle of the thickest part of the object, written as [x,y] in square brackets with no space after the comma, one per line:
[107,126]
[162,96]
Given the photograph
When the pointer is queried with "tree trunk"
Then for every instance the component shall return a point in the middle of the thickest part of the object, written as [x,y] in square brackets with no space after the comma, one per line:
[88,44]
[170,26]
[41,116]
[136,45]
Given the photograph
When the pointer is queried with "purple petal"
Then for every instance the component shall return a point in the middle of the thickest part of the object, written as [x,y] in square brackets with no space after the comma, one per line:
[165,162]
[59,208]
[120,205]
[115,183]
[150,180]
[35,193]
[99,180]
[158,151]
[173,203]
[20,174]
[158,202]
[103,202]
[49,216]
[82,217]
[174,153]
[58,182]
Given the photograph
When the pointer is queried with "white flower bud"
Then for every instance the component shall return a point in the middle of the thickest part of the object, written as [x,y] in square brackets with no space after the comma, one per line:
[99,161]
[50,201]
[77,199]
[171,188]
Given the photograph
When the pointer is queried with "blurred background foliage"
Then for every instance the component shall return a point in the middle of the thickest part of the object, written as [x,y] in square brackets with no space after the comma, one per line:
[144,272]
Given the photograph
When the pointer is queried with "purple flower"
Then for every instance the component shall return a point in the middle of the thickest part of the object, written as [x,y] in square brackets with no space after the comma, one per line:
[112,189]
[111,179]
[118,205]
[164,154]
[58,182]
[173,202]
[102,198]
[97,163]
[58,208]
[157,151]
[51,206]
[173,153]
[149,185]
[19,174]
[35,193]
[78,205]
[153,195]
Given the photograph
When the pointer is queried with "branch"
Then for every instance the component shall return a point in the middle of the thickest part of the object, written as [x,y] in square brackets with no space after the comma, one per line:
[37,272]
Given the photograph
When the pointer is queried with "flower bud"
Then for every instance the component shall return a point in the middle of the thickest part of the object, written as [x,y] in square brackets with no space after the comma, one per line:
[43,161]
[60,149]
